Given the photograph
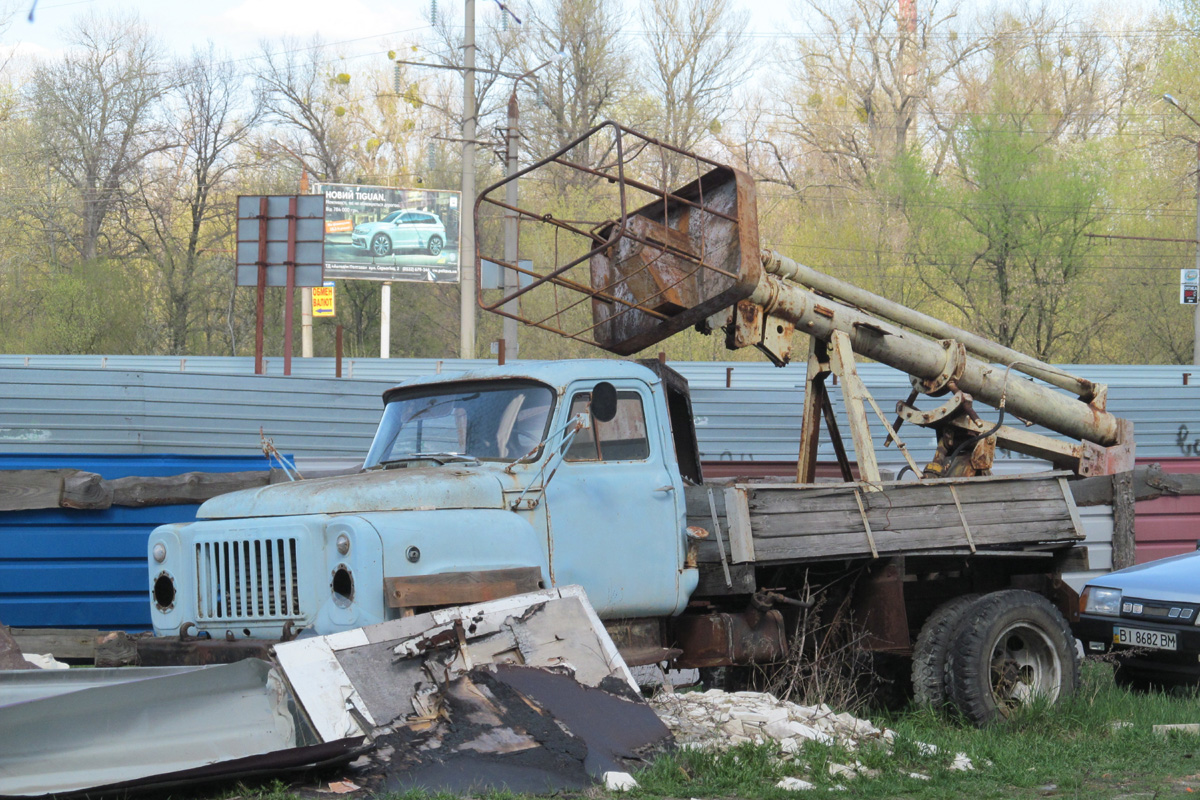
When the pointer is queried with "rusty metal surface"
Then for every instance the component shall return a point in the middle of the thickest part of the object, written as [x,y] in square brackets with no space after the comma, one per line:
[458,588]
[153,651]
[722,639]
[879,609]
[652,261]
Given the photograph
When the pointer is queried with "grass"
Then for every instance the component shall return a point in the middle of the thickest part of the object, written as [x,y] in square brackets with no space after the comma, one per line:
[1069,750]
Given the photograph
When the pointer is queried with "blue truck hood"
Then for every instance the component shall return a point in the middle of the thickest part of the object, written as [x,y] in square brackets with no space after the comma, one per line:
[450,486]
[1174,579]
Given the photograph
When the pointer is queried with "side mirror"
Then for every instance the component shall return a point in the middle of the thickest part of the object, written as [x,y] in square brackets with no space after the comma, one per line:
[604,401]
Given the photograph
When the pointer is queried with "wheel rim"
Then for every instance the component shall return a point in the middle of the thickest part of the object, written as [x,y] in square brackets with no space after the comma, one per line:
[1025,664]
[435,246]
[381,246]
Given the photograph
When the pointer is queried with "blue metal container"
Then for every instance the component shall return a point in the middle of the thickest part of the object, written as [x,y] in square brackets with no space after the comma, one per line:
[63,568]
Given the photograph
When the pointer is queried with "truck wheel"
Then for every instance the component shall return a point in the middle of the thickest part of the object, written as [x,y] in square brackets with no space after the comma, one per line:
[1009,648]
[931,649]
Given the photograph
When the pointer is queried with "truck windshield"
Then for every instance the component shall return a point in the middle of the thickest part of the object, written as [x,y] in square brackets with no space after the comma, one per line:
[493,420]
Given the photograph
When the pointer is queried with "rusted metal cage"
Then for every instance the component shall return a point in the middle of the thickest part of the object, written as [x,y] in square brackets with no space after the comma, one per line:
[620,259]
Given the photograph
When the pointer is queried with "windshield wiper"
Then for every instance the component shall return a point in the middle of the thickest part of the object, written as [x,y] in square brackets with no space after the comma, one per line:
[439,458]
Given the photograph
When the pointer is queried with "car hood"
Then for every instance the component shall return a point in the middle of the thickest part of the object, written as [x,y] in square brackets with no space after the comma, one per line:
[1173,579]
[403,489]
[371,226]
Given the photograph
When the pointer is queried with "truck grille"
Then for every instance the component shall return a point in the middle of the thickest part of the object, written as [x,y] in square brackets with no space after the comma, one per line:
[249,579]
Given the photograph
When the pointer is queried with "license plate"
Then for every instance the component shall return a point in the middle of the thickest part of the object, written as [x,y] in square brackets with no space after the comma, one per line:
[1135,637]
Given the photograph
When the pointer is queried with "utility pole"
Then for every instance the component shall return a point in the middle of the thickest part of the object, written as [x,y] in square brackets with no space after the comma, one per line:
[466,258]
[1196,310]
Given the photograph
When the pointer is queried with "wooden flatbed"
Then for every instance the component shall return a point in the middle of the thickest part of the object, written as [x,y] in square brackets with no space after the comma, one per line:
[761,524]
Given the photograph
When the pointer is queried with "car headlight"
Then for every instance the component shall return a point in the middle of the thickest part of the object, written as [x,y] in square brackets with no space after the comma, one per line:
[1097,600]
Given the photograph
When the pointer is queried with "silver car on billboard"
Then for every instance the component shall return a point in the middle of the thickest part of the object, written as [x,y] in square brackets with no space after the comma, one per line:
[401,230]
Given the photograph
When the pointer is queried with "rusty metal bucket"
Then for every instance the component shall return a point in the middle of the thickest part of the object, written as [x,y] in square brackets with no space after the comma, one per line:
[619,259]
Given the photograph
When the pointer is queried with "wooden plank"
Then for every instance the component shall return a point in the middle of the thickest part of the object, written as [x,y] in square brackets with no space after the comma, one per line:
[189,487]
[716,523]
[27,489]
[85,490]
[1123,520]
[945,515]
[889,541]
[62,643]
[810,417]
[737,515]
[459,588]
[866,524]
[842,361]
[1070,501]
[963,517]
[815,499]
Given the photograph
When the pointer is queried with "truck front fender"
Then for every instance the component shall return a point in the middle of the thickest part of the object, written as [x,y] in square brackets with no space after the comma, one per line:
[458,556]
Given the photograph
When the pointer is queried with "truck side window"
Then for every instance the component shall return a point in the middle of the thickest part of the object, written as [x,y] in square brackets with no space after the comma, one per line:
[623,438]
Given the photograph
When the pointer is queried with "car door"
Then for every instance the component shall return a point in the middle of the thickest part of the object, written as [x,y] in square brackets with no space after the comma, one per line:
[407,226]
[615,509]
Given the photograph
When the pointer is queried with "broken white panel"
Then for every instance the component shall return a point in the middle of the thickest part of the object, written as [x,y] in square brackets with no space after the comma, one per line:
[315,675]
[377,674]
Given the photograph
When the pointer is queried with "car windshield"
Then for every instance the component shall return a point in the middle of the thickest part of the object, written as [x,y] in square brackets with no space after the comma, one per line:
[392,217]
[490,421]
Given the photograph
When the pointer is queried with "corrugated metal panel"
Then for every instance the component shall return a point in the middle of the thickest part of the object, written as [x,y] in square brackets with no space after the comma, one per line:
[112,410]
[1097,531]
[64,568]
[1168,526]
[746,374]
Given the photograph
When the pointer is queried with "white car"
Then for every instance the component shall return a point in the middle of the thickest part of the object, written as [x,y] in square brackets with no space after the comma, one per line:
[401,230]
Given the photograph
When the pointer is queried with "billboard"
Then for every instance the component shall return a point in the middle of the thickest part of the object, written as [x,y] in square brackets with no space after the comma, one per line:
[376,233]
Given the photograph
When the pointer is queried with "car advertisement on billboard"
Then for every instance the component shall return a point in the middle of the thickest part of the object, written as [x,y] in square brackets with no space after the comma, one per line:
[377,233]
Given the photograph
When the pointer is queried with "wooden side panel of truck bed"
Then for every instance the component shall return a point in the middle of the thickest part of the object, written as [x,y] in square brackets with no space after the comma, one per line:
[772,523]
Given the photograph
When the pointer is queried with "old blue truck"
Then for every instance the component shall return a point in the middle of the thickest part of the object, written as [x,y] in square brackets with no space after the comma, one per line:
[587,472]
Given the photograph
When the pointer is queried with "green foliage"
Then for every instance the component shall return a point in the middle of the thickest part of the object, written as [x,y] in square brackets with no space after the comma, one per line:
[1005,242]
[92,307]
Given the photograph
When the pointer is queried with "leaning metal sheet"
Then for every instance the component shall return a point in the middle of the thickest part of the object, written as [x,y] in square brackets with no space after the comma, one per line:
[141,728]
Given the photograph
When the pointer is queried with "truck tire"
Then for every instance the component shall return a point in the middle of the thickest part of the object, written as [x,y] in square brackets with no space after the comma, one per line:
[931,649]
[1010,647]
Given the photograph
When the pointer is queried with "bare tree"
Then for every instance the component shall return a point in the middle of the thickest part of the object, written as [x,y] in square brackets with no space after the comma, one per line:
[176,218]
[864,75]
[302,92]
[588,80]
[697,58]
[99,115]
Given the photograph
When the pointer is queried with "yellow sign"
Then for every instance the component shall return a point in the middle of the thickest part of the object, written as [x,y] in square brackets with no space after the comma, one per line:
[323,300]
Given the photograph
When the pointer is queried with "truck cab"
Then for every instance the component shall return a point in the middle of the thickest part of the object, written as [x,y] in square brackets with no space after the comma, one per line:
[476,486]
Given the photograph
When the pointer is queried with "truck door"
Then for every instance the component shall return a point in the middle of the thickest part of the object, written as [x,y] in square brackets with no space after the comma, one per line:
[615,509]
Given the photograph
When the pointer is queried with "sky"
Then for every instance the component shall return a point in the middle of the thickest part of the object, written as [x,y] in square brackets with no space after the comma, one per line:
[358,26]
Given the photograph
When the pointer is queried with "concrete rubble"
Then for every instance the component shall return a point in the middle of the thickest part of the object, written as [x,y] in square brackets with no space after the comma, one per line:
[717,720]
[723,719]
